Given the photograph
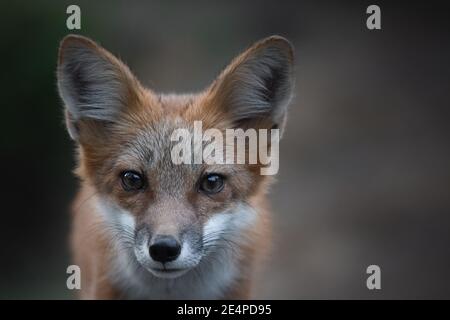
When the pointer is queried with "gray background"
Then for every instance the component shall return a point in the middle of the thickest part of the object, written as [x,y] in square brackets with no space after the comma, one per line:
[364,175]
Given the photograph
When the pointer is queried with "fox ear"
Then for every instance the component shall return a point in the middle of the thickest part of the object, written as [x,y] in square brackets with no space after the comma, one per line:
[94,85]
[257,85]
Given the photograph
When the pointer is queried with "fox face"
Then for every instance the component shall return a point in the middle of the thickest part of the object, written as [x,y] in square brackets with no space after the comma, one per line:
[170,219]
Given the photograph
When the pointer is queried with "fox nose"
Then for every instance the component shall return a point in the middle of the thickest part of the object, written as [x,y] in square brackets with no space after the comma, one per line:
[165,248]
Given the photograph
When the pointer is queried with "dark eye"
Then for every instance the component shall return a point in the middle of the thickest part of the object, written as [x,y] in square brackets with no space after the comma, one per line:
[211,183]
[132,181]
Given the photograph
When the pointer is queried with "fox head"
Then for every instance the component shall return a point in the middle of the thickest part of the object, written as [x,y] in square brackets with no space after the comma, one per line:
[170,217]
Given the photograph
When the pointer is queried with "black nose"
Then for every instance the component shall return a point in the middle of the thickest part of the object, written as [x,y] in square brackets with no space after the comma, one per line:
[164,249]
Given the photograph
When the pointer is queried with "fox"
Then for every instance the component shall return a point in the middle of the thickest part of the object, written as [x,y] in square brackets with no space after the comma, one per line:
[146,228]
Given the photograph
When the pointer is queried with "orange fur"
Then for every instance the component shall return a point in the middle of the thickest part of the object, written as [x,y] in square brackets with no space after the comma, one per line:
[105,149]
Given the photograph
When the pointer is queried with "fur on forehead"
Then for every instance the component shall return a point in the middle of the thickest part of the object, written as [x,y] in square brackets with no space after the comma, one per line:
[253,91]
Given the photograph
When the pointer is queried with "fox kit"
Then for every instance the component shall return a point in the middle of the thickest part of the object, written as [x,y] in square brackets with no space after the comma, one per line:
[143,226]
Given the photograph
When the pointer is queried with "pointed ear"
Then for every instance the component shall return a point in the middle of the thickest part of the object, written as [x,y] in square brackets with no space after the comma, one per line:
[257,86]
[95,86]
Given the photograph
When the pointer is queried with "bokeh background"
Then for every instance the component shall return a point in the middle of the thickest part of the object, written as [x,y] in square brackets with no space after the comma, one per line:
[364,175]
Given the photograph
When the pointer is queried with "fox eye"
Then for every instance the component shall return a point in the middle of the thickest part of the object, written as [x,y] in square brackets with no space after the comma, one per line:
[211,183]
[132,181]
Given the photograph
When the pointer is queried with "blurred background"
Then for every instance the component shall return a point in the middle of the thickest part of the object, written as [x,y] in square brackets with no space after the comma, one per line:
[364,174]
